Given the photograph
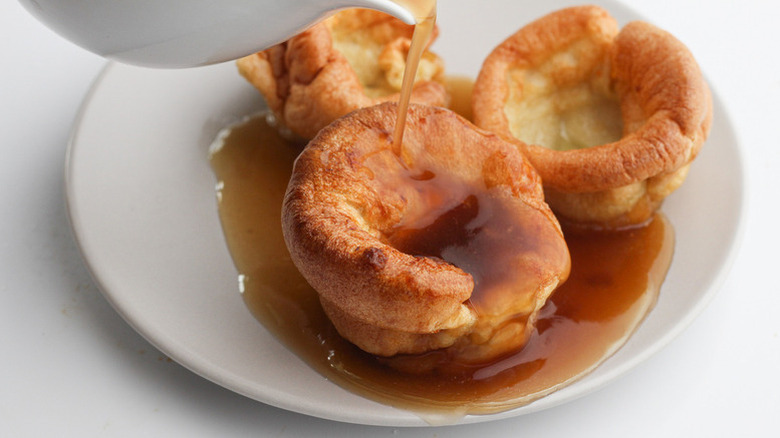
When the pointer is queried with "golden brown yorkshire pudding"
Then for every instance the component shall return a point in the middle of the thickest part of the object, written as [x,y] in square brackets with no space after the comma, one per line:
[610,119]
[353,59]
[449,244]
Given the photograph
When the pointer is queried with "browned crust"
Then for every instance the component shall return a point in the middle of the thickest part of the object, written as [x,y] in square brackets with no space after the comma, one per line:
[308,83]
[336,212]
[665,102]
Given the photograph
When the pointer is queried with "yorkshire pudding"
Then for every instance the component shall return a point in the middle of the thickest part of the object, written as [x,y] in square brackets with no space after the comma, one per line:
[611,119]
[448,244]
[354,59]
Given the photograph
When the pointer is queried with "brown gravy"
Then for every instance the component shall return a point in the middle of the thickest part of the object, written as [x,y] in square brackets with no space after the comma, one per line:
[614,281]
[424,12]
[510,250]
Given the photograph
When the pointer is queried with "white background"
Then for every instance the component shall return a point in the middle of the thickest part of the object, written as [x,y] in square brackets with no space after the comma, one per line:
[70,367]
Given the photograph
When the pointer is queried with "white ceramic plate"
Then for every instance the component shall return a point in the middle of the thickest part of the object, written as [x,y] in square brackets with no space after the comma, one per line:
[141,198]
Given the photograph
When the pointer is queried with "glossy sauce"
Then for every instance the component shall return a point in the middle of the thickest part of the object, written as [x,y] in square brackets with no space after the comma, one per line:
[614,281]
[508,248]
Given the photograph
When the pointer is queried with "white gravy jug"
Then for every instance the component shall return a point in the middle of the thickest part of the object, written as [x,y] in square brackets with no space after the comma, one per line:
[188,33]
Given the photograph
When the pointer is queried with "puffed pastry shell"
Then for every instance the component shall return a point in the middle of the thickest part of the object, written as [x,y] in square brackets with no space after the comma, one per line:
[663,101]
[349,190]
[353,59]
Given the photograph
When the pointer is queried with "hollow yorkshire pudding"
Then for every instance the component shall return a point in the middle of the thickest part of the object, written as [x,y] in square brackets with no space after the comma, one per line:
[447,245]
[354,59]
[611,119]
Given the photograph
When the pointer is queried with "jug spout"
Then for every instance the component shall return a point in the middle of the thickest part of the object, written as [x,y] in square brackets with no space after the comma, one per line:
[392,7]
[188,33]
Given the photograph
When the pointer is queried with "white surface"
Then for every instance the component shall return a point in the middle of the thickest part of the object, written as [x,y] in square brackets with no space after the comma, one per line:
[72,367]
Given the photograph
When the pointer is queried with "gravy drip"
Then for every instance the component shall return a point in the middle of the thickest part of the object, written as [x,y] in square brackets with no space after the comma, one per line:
[614,281]
[424,12]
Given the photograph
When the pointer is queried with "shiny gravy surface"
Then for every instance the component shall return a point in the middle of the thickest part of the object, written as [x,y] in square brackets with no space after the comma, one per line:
[614,282]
